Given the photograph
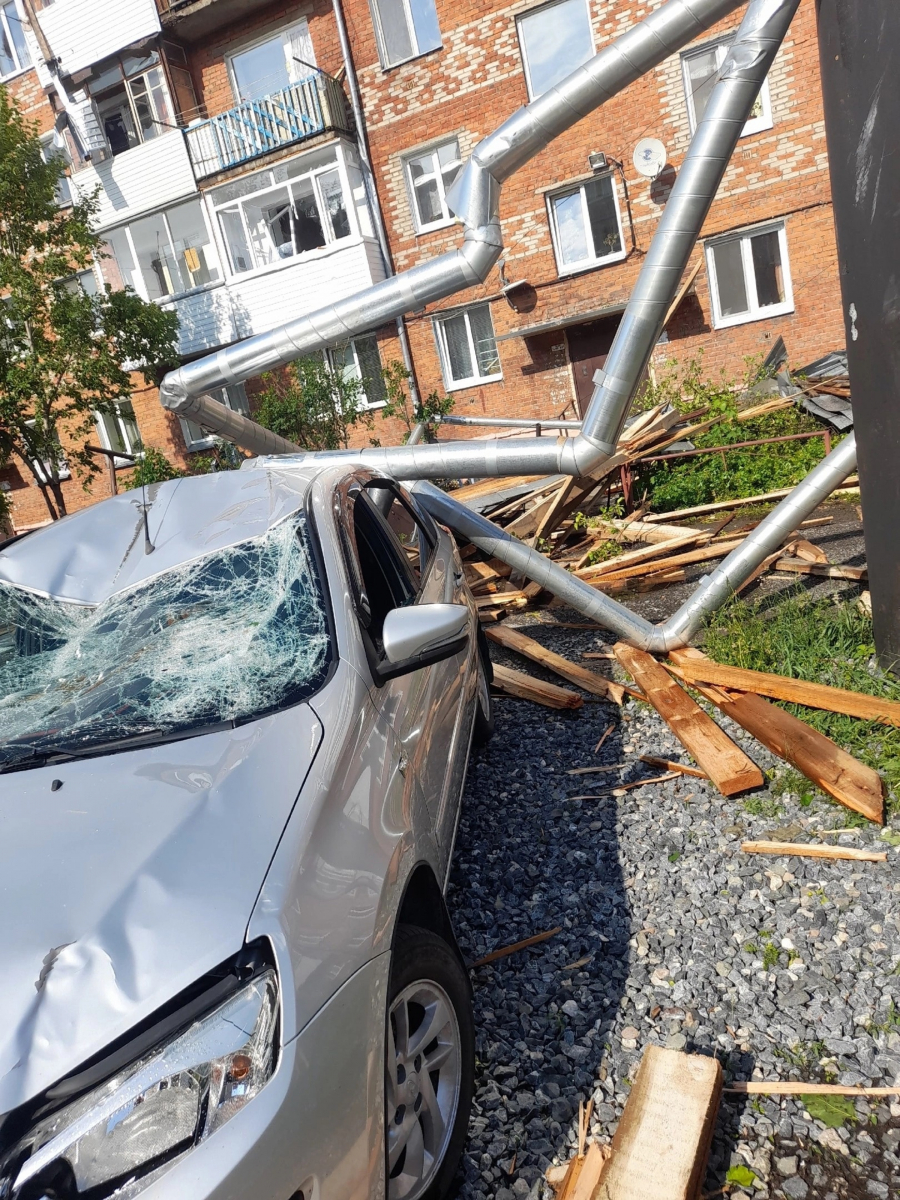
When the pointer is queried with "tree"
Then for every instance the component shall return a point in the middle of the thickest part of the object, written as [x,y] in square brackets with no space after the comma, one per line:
[62,352]
[312,404]
[425,412]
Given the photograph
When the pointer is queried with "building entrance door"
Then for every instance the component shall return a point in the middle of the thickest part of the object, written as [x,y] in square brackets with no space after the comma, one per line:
[589,345]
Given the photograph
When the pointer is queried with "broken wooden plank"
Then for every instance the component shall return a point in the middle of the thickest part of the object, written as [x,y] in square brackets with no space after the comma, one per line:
[662,1142]
[667,765]
[836,772]
[505,951]
[799,566]
[525,525]
[591,1170]
[698,510]
[512,639]
[700,669]
[646,530]
[595,770]
[683,290]
[526,687]
[619,789]
[646,554]
[616,575]
[793,1087]
[809,552]
[638,583]
[714,751]
[809,850]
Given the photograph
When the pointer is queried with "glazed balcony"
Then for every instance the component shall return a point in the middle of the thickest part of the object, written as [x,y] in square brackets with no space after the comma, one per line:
[255,127]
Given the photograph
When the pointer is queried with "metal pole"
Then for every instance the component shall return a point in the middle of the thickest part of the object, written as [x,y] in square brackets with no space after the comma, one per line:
[859,48]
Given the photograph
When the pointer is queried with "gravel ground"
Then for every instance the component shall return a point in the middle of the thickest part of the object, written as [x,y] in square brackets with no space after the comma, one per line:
[782,967]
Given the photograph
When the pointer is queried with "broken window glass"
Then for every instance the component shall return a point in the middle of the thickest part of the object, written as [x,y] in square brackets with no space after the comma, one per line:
[222,639]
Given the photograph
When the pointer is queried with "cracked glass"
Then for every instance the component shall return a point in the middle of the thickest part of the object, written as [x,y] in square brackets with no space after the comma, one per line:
[217,641]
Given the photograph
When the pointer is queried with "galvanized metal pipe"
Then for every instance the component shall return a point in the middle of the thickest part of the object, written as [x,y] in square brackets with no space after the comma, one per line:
[714,590]
[508,422]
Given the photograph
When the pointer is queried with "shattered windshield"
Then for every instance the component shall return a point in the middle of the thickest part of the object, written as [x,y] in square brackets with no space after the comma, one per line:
[230,636]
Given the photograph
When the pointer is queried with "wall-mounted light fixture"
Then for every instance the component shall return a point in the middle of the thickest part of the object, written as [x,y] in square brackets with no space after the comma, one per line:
[598,161]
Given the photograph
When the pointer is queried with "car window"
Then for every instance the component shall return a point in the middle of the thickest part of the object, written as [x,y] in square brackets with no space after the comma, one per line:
[387,575]
[223,638]
[413,538]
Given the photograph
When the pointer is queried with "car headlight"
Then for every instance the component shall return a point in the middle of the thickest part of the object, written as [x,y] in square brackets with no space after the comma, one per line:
[119,1134]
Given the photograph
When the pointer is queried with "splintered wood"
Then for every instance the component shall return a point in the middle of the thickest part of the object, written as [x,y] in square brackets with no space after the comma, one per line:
[661,1145]
[832,769]
[696,668]
[512,639]
[526,687]
[716,754]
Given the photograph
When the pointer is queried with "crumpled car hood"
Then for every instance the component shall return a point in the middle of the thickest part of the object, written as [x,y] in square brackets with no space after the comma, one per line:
[130,881]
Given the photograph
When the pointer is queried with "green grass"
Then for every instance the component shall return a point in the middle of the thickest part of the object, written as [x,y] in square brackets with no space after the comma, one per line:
[824,641]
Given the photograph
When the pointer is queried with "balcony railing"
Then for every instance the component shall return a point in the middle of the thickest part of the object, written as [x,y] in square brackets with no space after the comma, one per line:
[257,126]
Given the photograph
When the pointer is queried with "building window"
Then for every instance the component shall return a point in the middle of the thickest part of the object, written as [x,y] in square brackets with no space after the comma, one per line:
[586,225]
[429,176]
[53,145]
[555,40]
[274,64]
[749,276]
[234,397]
[42,468]
[14,54]
[167,253]
[701,69]
[467,347]
[119,431]
[359,359]
[405,28]
[83,281]
[132,99]
[298,206]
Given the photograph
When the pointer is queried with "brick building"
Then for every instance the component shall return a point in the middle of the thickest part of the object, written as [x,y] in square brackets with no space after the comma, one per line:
[233,189]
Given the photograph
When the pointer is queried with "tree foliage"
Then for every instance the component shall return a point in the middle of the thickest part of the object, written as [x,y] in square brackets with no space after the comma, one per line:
[312,404]
[400,405]
[62,352]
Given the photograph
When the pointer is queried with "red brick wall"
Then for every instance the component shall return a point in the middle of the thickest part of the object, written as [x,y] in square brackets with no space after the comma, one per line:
[476,80]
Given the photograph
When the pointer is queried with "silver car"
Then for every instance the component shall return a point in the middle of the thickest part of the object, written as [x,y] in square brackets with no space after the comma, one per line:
[235,719]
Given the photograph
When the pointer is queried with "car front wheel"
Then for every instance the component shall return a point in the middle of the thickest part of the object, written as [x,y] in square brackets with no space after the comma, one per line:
[429,1069]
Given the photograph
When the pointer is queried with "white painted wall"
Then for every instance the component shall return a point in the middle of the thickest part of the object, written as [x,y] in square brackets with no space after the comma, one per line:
[239,308]
[148,177]
[82,32]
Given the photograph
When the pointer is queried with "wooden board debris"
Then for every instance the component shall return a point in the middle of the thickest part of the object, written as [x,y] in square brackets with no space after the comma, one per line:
[661,565]
[662,1142]
[799,566]
[714,751]
[526,687]
[793,1087]
[646,554]
[809,850]
[699,669]
[832,769]
[512,639]
[667,765]
[699,510]
[515,947]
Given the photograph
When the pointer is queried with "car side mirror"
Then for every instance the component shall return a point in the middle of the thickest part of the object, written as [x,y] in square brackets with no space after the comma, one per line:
[421,635]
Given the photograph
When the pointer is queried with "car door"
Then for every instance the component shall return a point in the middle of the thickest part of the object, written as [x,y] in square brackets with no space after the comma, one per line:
[401,561]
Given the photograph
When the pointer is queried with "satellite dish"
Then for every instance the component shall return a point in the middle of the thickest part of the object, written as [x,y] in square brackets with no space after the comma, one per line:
[649,157]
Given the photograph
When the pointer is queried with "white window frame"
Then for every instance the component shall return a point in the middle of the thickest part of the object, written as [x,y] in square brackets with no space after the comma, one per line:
[340,164]
[4,24]
[139,274]
[284,35]
[754,311]
[415,51]
[366,405]
[590,263]
[722,45]
[455,385]
[131,447]
[530,12]
[233,396]
[437,174]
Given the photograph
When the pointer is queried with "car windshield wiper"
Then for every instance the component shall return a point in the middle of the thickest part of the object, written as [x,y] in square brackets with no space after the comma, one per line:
[46,756]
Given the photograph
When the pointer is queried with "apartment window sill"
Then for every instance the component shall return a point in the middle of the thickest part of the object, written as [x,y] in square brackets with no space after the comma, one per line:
[401,62]
[776,310]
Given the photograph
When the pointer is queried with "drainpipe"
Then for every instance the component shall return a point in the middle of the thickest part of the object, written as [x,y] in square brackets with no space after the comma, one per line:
[372,188]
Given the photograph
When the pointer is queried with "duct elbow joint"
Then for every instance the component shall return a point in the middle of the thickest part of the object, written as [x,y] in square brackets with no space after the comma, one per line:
[480,251]
[173,394]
